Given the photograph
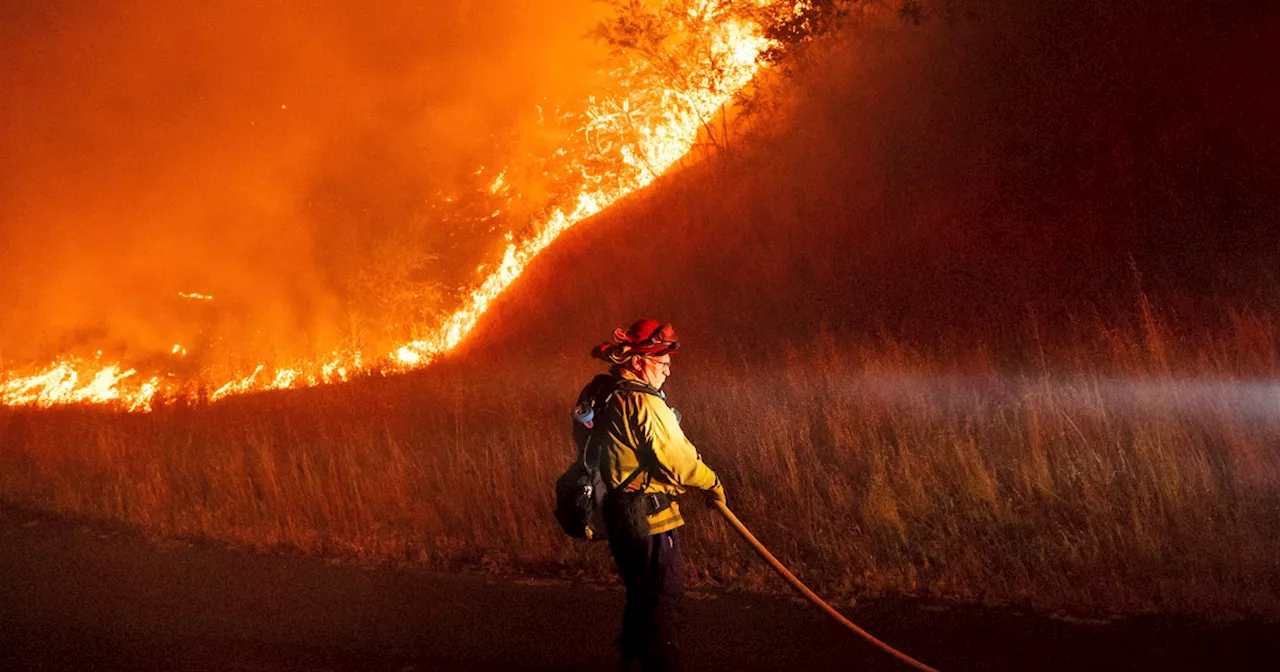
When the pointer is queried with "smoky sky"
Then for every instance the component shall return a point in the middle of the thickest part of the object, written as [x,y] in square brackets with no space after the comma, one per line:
[252,152]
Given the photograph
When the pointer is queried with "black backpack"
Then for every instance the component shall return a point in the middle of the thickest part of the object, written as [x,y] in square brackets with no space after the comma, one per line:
[580,489]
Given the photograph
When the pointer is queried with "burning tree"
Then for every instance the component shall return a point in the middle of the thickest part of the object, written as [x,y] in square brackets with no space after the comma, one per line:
[675,54]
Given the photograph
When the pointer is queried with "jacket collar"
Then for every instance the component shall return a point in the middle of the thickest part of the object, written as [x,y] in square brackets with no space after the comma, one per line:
[633,378]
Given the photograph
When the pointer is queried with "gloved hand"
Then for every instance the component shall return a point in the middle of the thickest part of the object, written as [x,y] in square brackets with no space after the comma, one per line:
[716,494]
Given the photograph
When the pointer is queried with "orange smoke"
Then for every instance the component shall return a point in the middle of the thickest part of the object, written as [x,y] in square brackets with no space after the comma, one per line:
[302,172]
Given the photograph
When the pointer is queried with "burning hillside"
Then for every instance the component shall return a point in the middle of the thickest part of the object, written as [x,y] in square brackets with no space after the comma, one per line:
[673,67]
[1018,178]
[988,302]
[960,179]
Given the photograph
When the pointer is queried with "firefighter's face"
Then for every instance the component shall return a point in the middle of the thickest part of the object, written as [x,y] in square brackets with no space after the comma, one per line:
[654,370]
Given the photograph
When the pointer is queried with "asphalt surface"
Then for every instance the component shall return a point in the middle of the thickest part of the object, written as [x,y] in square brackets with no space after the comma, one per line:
[78,595]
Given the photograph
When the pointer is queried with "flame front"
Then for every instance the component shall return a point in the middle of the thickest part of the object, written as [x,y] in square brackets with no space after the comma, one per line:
[624,141]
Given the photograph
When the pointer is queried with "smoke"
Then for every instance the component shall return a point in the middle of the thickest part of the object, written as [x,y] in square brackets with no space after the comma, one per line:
[289,160]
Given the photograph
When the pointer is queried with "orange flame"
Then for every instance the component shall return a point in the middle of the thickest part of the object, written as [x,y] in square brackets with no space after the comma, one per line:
[647,138]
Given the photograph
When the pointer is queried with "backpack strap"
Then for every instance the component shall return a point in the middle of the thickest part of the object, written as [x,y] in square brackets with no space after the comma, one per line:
[595,397]
[587,413]
[628,385]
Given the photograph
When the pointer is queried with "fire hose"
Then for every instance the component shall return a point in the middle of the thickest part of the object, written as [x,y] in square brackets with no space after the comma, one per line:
[809,594]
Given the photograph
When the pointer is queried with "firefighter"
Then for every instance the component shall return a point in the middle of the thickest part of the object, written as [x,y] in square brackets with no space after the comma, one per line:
[646,462]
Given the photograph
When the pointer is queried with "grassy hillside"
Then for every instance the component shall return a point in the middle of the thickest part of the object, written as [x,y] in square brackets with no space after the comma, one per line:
[982,310]
[957,181]
[1111,485]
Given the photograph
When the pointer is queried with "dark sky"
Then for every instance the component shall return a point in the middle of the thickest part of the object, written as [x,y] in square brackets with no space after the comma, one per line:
[256,153]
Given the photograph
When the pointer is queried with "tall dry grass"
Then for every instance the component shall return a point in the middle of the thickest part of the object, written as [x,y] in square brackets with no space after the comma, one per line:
[1134,471]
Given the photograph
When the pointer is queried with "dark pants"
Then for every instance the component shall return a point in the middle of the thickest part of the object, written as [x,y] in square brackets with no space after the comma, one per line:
[652,572]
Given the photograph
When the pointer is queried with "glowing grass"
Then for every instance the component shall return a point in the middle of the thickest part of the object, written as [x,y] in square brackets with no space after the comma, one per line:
[871,469]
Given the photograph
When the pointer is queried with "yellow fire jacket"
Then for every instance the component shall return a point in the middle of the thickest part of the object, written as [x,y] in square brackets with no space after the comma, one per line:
[642,429]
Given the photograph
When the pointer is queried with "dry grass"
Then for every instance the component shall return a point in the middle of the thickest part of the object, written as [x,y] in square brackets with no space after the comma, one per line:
[1137,474]
[1134,469]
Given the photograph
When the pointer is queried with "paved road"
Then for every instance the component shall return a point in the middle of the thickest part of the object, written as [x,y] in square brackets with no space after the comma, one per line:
[91,596]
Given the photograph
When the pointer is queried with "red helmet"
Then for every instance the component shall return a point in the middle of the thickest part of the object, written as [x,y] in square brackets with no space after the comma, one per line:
[644,337]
